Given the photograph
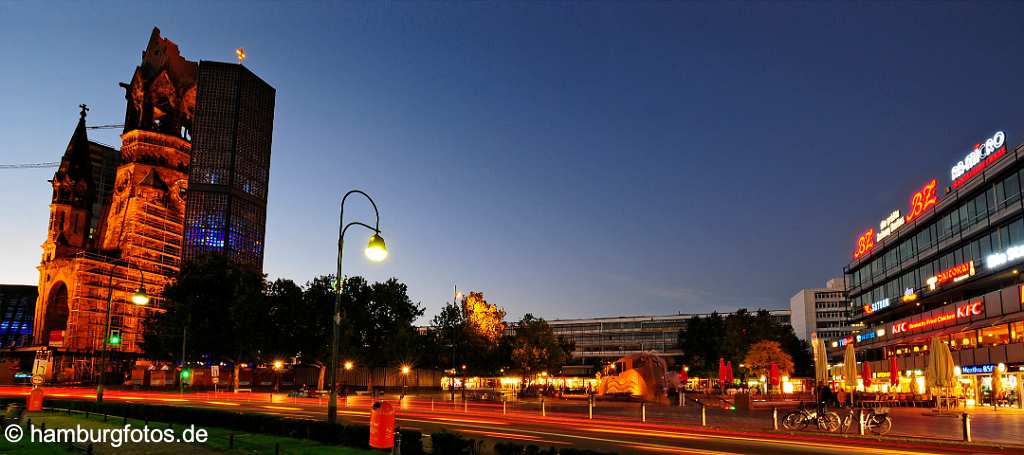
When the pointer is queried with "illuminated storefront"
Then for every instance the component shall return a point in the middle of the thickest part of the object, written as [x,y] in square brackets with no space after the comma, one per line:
[950,268]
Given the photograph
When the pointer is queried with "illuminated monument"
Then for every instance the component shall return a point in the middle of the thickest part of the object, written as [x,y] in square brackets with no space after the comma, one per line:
[118,220]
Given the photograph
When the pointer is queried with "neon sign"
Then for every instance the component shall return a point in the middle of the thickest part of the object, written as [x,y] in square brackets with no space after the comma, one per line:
[922,200]
[908,295]
[868,309]
[866,336]
[980,158]
[845,341]
[998,259]
[953,274]
[865,243]
[978,369]
[889,225]
[963,311]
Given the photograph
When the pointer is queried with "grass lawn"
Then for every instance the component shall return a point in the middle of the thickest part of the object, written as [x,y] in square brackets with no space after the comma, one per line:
[247,443]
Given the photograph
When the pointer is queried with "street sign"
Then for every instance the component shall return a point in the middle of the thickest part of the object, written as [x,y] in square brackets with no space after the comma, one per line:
[215,373]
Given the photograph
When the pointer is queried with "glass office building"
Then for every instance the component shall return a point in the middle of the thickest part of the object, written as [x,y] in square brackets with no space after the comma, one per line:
[230,169]
[949,266]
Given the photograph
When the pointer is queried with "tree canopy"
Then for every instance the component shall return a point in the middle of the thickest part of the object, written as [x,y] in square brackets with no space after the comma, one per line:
[709,338]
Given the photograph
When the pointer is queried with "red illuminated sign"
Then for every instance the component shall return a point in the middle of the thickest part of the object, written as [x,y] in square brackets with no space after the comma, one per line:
[865,243]
[980,158]
[963,311]
[952,274]
[922,200]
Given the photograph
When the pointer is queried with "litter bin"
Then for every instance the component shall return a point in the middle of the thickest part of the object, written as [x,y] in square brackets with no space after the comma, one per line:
[35,399]
[382,425]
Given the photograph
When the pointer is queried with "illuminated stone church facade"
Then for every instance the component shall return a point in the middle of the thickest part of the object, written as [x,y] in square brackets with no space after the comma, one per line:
[118,219]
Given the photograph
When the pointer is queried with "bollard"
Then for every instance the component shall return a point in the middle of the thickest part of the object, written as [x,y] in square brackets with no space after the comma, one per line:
[679,399]
[590,408]
[396,448]
[277,448]
[703,415]
[860,422]
[503,407]
[643,412]
[967,427]
[465,406]
[231,441]
[543,409]
[683,401]
[775,418]
[431,405]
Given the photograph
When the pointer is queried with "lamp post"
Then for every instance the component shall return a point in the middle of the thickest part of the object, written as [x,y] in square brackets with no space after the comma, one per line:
[405,377]
[139,298]
[376,251]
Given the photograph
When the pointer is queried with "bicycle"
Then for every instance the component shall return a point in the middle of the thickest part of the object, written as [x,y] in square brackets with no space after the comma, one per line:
[876,421]
[799,420]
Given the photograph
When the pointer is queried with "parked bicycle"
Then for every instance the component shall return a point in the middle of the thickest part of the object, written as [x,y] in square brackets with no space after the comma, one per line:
[876,421]
[799,420]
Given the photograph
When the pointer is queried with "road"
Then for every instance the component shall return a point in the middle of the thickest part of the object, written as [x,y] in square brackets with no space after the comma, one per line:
[488,421]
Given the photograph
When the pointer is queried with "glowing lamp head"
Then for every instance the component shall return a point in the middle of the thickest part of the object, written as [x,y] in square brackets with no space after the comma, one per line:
[115,339]
[348,365]
[185,374]
[278,364]
[405,369]
[140,297]
[376,250]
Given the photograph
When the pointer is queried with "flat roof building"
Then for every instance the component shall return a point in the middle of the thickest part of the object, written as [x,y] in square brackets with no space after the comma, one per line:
[946,266]
[824,311]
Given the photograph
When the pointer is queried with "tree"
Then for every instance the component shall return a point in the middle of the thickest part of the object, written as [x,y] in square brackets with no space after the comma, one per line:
[484,319]
[222,306]
[536,349]
[378,320]
[763,353]
[707,339]
[701,342]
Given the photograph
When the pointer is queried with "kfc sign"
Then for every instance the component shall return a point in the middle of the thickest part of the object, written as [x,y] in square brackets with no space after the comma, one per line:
[963,311]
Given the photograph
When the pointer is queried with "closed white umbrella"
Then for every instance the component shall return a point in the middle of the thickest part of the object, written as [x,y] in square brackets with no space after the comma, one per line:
[820,361]
[850,366]
[939,372]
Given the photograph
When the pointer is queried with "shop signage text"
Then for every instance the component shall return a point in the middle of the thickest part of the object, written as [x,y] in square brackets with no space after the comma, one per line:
[978,369]
[866,336]
[980,158]
[884,303]
[951,275]
[998,259]
[963,311]
[865,243]
[922,200]
[889,225]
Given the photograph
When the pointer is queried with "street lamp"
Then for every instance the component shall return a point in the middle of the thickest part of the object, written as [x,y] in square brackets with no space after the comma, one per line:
[405,377]
[139,298]
[376,250]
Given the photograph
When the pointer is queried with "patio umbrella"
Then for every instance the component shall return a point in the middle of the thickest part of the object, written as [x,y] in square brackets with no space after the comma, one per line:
[721,373]
[820,361]
[939,372]
[728,372]
[866,374]
[774,374]
[997,384]
[894,373]
[683,375]
[850,366]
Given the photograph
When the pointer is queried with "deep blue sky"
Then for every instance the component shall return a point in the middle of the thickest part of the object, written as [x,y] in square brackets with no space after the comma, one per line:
[568,159]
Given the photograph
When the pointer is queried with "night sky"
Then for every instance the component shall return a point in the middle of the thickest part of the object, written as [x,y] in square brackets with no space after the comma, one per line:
[567,159]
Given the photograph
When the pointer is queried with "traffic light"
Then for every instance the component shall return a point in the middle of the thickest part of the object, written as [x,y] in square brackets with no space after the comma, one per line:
[115,337]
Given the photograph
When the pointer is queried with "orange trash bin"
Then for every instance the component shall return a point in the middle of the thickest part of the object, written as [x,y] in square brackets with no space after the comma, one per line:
[382,426]
[35,399]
